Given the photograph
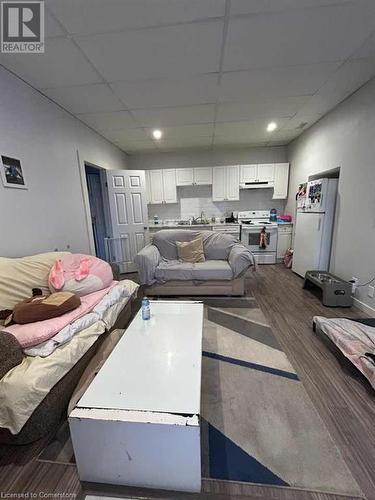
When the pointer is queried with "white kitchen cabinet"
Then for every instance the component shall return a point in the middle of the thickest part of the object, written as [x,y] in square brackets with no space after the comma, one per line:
[284,239]
[249,173]
[148,185]
[233,182]
[280,190]
[163,186]
[156,186]
[184,176]
[169,185]
[203,176]
[226,183]
[263,172]
[266,172]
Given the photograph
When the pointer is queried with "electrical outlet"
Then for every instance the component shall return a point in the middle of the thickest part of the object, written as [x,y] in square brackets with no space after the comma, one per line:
[371,290]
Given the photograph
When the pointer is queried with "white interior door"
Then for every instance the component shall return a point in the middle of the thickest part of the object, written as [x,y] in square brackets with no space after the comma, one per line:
[129,218]
[307,242]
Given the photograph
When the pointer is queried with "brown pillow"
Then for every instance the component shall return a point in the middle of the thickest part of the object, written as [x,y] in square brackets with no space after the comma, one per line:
[190,251]
[40,308]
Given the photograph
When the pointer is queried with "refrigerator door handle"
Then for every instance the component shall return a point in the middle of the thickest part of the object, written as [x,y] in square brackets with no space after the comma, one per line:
[319,223]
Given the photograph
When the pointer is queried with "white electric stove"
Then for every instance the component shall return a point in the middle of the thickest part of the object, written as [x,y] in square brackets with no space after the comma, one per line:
[252,223]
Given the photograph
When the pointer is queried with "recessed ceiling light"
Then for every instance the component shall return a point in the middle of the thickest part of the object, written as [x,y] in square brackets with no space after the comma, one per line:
[157,134]
[271,126]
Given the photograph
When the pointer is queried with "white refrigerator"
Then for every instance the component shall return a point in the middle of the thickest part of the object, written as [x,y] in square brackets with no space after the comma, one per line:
[314,226]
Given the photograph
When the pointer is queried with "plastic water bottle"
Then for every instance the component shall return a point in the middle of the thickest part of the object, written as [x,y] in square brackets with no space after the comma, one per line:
[146,314]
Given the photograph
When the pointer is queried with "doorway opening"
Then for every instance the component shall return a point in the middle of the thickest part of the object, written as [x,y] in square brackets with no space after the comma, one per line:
[98,200]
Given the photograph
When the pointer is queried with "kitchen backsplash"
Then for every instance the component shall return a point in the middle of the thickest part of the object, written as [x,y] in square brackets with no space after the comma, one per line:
[195,199]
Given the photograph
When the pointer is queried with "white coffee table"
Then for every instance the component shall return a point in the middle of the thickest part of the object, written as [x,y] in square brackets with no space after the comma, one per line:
[138,422]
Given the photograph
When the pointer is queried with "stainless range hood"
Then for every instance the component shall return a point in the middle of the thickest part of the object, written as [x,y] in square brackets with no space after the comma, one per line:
[257,184]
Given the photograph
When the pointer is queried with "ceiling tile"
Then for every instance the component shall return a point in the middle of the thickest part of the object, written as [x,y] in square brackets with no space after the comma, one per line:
[62,64]
[259,6]
[187,49]
[186,131]
[168,92]
[51,27]
[245,131]
[182,115]
[301,121]
[275,82]
[367,49]
[136,146]
[184,142]
[98,16]
[85,98]
[126,135]
[220,140]
[349,77]
[252,107]
[297,36]
[116,120]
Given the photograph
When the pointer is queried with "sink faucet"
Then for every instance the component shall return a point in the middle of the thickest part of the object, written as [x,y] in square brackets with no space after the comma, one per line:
[196,220]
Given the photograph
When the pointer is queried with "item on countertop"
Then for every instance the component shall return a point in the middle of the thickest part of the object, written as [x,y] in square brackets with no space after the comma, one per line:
[273,215]
[263,238]
[80,274]
[285,218]
[156,220]
[191,251]
[230,219]
[146,313]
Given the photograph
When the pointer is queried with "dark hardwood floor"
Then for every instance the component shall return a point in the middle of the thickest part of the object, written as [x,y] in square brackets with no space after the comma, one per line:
[343,398]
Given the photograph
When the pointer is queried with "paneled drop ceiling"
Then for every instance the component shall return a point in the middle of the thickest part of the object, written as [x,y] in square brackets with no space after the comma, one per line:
[209,73]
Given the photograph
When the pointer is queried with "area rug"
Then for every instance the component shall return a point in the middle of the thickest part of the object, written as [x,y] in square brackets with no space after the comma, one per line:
[258,424]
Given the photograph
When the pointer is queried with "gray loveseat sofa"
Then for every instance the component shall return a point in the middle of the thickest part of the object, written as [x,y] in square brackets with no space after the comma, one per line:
[222,273]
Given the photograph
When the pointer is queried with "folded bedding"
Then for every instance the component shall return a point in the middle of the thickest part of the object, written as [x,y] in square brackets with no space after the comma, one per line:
[32,334]
[24,387]
[113,295]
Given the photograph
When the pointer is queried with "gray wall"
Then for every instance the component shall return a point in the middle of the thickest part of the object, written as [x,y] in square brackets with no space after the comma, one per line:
[192,200]
[346,138]
[50,214]
[204,158]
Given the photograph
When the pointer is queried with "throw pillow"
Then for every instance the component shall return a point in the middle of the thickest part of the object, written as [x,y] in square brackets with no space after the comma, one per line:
[190,251]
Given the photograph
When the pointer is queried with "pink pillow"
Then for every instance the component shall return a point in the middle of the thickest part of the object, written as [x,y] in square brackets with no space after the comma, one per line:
[80,274]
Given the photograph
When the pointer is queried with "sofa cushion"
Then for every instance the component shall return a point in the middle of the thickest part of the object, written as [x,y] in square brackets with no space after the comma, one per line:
[215,245]
[212,270]
[20,275]
[190,251]
[200,271]
[165,240]
[174,270]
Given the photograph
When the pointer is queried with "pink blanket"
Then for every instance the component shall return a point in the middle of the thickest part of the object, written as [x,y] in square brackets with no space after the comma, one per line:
[33,334]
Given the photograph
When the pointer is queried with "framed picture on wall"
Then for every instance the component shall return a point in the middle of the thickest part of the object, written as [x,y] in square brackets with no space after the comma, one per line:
[12,173]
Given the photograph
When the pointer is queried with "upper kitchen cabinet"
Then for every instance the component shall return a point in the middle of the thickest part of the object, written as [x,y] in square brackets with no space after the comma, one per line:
[226,183]
[194,176]
[263,172]
[203,176]
[184,176]
[266,172]
[280,190]
[162,186]
[248,173]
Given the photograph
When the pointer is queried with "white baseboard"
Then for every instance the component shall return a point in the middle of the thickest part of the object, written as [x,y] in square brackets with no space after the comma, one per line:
[364,307]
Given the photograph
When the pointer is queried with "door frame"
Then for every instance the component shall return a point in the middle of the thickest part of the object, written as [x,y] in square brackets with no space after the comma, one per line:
[86,202]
